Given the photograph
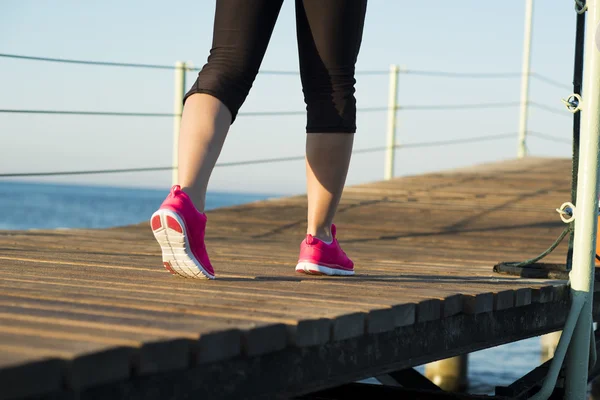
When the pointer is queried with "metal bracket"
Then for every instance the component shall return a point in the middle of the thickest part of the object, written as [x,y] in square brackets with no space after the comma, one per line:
[567,212]
[580,6]
[573,103]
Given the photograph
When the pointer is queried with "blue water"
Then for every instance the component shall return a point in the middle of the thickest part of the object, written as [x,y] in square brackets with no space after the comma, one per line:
[48,206]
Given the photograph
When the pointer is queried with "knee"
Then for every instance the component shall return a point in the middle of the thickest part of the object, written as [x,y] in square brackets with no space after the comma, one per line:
[227,76]
[330,100]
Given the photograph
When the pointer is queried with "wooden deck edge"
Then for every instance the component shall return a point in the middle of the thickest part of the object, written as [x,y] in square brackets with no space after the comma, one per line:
[323,366]
[179,354]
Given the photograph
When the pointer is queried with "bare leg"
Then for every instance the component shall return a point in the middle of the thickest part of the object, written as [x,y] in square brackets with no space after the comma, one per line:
[329,36]
[204,126]
[241,33]
[327,161]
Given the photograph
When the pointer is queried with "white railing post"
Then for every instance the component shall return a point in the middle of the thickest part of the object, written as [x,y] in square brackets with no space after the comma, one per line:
[522,147]
[180,69]
[586,210]
[391,122]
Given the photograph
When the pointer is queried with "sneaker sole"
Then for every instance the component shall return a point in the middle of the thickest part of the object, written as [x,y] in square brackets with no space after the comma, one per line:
[169,231]
[316,269]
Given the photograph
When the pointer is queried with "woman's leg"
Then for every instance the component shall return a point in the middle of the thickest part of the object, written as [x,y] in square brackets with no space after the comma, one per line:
[204,126]
[329,38]
[242,30]
[327,162]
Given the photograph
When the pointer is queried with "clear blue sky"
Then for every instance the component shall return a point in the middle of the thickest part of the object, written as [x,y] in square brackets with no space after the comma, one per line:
[465,36]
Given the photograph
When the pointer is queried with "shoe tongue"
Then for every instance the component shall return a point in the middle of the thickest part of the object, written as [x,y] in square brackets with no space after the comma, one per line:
[310,239]
[333,230]
[175,189]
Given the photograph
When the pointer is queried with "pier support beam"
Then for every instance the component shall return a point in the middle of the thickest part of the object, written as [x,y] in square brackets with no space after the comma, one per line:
[549,343]
[449,374]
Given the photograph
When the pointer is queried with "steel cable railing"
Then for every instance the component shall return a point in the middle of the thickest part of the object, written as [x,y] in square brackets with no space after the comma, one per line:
[475,139]
[410,107]
[431,73]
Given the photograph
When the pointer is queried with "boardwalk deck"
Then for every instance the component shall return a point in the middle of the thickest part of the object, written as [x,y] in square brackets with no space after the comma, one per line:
[93,313]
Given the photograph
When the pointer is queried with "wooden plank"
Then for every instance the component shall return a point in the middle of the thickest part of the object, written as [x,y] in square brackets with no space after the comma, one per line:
[429,310]
[390,283]
[523,297]
[452,305]
[543,295]
[226,297]
[504,299]
[349,326]
[478,303]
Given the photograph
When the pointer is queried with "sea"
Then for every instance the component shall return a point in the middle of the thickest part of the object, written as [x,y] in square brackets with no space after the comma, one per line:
[25,206]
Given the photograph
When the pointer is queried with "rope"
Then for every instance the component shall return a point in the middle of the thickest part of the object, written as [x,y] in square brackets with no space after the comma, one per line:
[149,66]
[445,74]
[457,141]
[551,138]
[252,162]
[459,106]
[87,172]
[549,81]
[548,109]
[137,114]
[266,113]
[526,263]
[442,74]
[147,169]
[96,113]
[84,62]
[476,75]
[261,113]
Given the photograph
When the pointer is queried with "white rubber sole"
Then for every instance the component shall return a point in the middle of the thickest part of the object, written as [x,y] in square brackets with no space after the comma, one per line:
[316,269]
[169,231]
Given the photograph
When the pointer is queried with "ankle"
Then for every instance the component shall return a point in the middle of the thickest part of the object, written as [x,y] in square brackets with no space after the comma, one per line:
[198,198]
[326,240]
[322,234]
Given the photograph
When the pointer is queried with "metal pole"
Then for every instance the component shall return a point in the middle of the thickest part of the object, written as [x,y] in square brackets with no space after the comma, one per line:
[577,81]
[586,211]
[180,69]
[522,149]
[391,125]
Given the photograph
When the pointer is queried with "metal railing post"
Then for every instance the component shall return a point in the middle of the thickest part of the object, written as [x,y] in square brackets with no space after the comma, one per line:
[180,69]
[391,122]
[522,148]
[586,211]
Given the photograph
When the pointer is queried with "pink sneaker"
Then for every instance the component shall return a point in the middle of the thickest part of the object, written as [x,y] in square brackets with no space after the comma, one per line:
[320,258]
[179,229]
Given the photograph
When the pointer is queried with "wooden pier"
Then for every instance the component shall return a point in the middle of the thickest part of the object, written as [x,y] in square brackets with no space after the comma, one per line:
[92,314]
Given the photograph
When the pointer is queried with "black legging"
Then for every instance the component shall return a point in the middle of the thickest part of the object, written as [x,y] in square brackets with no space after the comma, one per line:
[329,34]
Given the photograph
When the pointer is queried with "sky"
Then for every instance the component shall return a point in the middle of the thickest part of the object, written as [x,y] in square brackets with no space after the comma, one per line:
[456,36]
